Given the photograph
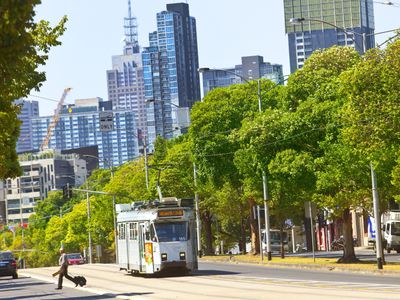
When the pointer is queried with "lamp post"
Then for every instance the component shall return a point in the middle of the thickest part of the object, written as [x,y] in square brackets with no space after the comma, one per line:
[264,175]
[296,21]
[111,167]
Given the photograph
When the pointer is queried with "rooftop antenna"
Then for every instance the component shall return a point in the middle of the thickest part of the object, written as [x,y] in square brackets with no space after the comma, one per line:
[131,32]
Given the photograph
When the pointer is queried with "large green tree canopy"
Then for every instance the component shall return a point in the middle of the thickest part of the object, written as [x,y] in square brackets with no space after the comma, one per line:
[24,47]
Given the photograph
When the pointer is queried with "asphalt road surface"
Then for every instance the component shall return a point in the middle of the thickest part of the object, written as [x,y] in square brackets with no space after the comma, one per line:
[29,288]
[221,281]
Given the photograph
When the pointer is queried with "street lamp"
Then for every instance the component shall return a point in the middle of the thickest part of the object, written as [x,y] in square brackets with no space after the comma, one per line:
[297,21]
[264,175]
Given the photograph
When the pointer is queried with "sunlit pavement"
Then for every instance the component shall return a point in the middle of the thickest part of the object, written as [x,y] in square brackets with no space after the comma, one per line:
[229,281]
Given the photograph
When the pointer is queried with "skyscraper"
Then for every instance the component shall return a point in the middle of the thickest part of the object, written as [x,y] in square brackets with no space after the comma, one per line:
[171,79]
[79,126]
[29,110]
[252,68]
[125,79]
[353,15]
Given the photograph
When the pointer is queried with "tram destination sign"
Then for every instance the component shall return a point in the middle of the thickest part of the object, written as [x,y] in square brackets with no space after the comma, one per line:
[170,213]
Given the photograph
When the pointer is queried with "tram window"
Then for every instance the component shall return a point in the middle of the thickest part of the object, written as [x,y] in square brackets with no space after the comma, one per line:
[172,232]
[121,231]
[133,231]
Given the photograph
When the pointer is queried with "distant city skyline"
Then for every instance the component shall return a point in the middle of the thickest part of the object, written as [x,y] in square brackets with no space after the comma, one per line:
[225,32]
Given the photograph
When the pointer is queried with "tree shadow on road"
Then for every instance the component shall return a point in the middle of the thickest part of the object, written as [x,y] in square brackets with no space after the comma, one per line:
[184,273]
[19,285]
[89,297]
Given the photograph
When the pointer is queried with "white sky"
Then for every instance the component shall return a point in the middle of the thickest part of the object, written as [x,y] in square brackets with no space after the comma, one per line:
[226,31]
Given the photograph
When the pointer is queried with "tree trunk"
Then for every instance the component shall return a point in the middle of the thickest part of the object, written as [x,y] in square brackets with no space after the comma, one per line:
[254,234]
[242,242]
[349,255]
[282,243]
[207,221]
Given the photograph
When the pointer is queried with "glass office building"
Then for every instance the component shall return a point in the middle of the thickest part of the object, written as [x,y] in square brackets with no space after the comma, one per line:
[330,18]
[171,79]
[79,126]
[29,110]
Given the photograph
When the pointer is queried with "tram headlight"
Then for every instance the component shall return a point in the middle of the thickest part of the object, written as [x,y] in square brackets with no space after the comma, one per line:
[182,255]
[164,256]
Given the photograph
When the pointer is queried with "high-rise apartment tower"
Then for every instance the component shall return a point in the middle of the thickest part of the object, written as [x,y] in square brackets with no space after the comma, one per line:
[29,110]
[327,23]
[171,78]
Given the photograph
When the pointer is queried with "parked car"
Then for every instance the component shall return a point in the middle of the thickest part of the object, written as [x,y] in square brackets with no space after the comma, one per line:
[75,259]
[8,265]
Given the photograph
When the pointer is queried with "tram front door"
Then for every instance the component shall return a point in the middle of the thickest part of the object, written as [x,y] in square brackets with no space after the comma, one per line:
[145,248]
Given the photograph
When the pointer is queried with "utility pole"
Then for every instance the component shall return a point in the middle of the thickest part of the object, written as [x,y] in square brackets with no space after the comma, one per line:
[198,224]
[146,168]
[378,233]
[88,214]
[114,218]
[265,190]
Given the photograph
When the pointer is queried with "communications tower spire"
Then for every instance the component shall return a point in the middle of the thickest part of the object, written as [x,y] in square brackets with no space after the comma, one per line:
[131,32]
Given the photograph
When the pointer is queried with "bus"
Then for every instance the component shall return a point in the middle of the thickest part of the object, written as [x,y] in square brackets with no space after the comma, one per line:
[156,236]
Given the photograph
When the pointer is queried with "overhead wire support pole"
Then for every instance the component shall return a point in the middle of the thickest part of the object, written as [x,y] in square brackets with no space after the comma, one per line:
[89,230]
[114,217]
[265,191]
[378,232]
[197,203]
[146,167]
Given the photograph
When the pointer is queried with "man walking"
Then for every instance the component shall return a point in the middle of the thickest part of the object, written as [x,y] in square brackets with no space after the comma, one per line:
[63,262]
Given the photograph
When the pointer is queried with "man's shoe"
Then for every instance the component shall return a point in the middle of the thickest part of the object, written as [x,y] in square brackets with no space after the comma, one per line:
[58,288]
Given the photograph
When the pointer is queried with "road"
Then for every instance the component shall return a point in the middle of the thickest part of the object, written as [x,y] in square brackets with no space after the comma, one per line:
[229,281]
[29,288]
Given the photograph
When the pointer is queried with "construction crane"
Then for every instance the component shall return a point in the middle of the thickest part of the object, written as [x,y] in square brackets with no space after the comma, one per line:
[54,122]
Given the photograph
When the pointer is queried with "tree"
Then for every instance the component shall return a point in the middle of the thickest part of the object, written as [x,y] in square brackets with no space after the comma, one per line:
[24,47]
[290,138]
[373,112]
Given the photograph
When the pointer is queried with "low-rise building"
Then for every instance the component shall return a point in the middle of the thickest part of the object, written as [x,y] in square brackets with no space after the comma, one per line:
[42,172]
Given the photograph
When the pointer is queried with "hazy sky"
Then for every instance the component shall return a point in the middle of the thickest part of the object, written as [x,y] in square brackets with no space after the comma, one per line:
[226,31]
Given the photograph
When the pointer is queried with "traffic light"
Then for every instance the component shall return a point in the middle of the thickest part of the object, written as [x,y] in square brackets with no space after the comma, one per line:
[67,191]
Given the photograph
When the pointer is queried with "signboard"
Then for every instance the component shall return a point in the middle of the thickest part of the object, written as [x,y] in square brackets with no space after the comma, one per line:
[171,213]
[106,120]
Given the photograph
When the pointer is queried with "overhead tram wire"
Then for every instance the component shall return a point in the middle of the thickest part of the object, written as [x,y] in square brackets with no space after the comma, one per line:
[44,98]
[285,139]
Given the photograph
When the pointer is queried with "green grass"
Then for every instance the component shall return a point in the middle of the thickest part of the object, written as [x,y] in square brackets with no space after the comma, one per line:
[330,263]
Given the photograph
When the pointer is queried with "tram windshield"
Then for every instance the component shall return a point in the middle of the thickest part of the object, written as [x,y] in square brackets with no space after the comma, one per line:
[172,232]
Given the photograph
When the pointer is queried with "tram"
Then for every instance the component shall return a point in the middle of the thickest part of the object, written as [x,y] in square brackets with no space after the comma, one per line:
[156,236]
